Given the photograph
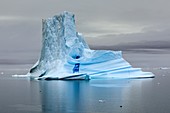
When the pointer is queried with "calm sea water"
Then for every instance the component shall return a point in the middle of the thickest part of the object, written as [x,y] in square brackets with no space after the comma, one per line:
[20,95]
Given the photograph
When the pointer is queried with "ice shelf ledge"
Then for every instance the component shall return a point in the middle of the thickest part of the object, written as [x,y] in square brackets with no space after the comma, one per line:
[65,55]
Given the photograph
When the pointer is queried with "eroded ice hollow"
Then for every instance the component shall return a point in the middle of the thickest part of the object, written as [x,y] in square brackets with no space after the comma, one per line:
[66,55]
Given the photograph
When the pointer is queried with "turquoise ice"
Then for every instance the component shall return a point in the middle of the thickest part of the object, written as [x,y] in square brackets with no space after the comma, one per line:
[66,55]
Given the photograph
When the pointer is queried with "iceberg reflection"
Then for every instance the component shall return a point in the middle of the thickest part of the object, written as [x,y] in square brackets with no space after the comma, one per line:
[87,96]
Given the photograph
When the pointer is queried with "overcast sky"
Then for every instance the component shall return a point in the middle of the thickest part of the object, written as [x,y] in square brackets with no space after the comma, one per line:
[113,23]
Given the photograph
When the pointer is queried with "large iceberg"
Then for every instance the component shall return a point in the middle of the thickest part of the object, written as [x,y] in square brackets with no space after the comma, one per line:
[66,55]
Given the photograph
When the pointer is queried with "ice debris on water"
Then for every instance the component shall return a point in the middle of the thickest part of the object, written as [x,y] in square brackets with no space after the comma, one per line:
[101,101]
[163,68]
[22,76]
[66,55]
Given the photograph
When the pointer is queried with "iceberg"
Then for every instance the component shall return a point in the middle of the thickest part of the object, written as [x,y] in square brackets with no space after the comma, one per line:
[65,55]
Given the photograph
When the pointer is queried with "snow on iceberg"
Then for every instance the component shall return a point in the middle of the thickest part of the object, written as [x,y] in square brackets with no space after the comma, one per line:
[66,55]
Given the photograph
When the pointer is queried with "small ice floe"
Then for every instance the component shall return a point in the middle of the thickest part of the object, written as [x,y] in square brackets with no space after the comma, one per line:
[20,76]
[163,75]
[101,101]
[161,68]
[164,68]
[158,83]
[2,73]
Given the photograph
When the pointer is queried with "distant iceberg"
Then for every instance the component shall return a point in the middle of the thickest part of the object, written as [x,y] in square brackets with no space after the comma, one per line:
[66,55]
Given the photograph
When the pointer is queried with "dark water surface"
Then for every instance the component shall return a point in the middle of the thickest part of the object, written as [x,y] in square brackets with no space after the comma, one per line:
[20,95]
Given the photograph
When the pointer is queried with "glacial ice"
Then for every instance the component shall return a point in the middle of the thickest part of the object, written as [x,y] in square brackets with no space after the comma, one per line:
[66,55]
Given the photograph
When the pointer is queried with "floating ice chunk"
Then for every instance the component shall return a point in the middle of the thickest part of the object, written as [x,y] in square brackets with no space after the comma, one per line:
[163,68]
[66,55]
[22,76]
[101,101]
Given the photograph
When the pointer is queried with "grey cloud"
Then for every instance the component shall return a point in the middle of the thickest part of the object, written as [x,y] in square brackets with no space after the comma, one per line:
[145,40]
[23,30]
[114,10]
[17,36]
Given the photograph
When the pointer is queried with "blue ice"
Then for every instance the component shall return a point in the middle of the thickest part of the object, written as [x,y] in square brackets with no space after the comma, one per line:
[66,55]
